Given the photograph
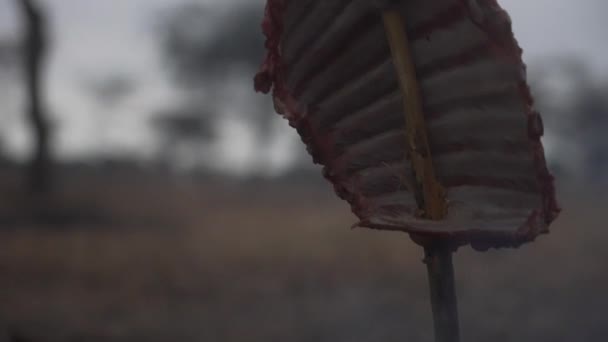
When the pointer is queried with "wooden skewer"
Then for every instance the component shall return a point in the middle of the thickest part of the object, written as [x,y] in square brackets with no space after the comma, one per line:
[419,152]
[438,253]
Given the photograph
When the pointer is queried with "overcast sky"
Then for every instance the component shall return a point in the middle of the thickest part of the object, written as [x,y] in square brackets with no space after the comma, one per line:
[96,38]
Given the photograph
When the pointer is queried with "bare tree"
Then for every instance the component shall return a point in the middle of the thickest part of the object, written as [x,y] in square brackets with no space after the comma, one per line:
[209,56]
[34,49]
[574,103]
[109,92]
[200,48]
[184,127]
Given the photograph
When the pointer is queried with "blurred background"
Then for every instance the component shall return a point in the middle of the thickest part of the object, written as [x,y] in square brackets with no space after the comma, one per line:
[148,194]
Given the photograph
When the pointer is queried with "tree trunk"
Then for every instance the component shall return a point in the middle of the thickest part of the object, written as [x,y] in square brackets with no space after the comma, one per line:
[35,45]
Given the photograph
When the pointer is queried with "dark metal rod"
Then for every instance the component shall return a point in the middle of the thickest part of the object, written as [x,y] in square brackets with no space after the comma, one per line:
[438,260]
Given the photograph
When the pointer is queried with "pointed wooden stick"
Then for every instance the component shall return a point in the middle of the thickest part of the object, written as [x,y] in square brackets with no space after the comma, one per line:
[419,152]
[438,260]
[438,254]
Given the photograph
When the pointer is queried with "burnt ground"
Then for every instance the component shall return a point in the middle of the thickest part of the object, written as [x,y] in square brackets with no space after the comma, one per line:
[135,258]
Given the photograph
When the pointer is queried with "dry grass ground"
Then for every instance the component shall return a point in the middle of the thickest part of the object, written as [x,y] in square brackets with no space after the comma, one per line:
[263,262]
